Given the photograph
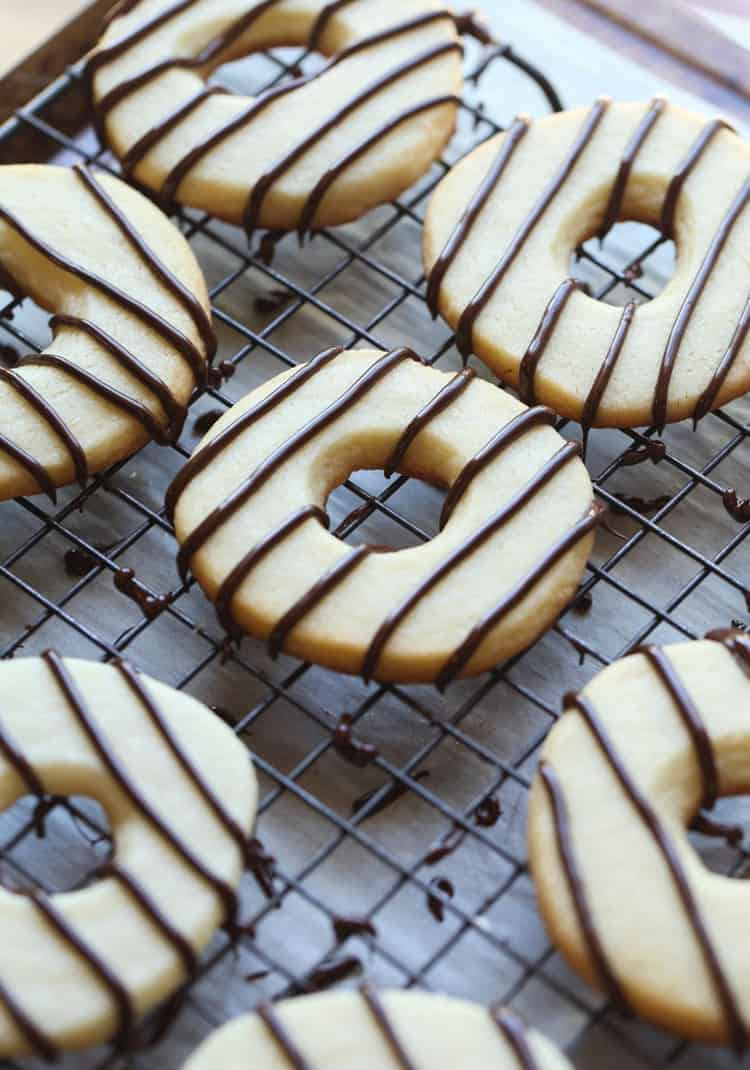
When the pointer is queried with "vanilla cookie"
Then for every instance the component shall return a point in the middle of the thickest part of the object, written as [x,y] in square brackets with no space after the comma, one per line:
[180,794]
[131,326]
[516,529]
[311,152]
[499,234]
[369,1030]
[650,742]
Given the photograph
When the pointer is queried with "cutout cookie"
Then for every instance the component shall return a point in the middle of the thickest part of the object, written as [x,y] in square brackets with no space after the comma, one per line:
[315,151]
[367,1030]
[180,795]
[501,227]
[517,526]
[650,742]
[131,325]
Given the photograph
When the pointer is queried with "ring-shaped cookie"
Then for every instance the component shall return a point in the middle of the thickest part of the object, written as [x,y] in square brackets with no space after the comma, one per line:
[317,150]
[389,1030]
[131,325]
[498,238]
[517,526]
[180,794]
[649,742]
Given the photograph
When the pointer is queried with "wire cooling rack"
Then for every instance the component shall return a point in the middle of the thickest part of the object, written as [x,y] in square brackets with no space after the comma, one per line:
[400,855]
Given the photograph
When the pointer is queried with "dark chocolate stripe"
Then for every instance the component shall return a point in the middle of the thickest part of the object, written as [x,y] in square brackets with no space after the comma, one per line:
[577,887]
[281,1035]
[157,267]
[105,56]
[500,441]
[684,316]
[735,1026]
[464,550]
[691,718]
[601,382]
[151,319]
[174,410]
[243,568]
[512,1028]
[329,177]
[205,456]
[218,516]
[321,23]
[126,1010]
[22,766]
[141,148]
[154,913]
[464,226]
[633,147]
[719,377]
[686,168]
[55,423]
[317,593]
[480,631]
[37,471]
[41,1043]
[270,177]
[465,329]
[442,400]
[384,1024]
[109,759]
[538,344]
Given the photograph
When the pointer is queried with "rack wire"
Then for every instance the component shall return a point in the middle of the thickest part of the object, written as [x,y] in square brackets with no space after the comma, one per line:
[424,843]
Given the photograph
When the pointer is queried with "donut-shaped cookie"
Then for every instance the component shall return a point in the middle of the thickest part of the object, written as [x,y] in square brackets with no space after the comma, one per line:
[318,150]
[499,234]
[516,528]
[131,326]
[180,795]
[652,740]
[378,1031]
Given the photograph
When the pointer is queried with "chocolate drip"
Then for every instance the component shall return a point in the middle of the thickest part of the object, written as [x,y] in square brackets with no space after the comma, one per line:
[283,1038]
[633,147]
[708,397]
[735,1026]
[205,456]
[464,226]
[384,1024]
[652,450]
[601,382]
[458,660]
[464,550]
[120,996]
[57,425]
[111,762]
[442,400]
[329,177]
[540,341]
[435,902]
[141,148]
[686,168]
[321,23]
[465,329]
[688,306]
[218,516]
[21,765]
[37,471]
[577,888]
[693,722]
[345,927]
[40,1042]
[512,1029]
[500,441]
[352,750]
[259,552]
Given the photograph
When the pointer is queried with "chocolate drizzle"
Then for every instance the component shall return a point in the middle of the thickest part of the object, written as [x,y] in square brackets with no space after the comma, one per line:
[512,1029]
[633,147]
[283,1038]
[601,382]
[545,330]
[442,400]
[736,1028]
[321,23]
[384,1024]
[686,168]
[465,329]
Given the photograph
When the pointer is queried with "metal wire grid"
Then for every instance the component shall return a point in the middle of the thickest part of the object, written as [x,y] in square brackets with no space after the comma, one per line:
[532,977]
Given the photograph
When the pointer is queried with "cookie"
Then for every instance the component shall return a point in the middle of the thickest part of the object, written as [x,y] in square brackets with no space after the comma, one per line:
[516,529]
[180,795]
[131,326]
[650,742]
[501,227]
[311,152]
[368,1029]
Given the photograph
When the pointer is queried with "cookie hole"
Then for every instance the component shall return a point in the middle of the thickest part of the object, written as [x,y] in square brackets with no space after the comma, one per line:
[719,849]
[634,263]
[24,325]
[371,519]
[56,844]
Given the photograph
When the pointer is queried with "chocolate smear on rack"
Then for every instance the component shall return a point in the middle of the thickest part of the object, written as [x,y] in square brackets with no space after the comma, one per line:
[583,604]
[151,605]
[654,450]
[435,904]
[79,562]
[220,374]
[203,423]
[273,301]
[738,508]
[259,975]
[331,973]
[396,791]
[262,865]
[640,505]
[450,842]
[354,752]
[488,812]
[346,927]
